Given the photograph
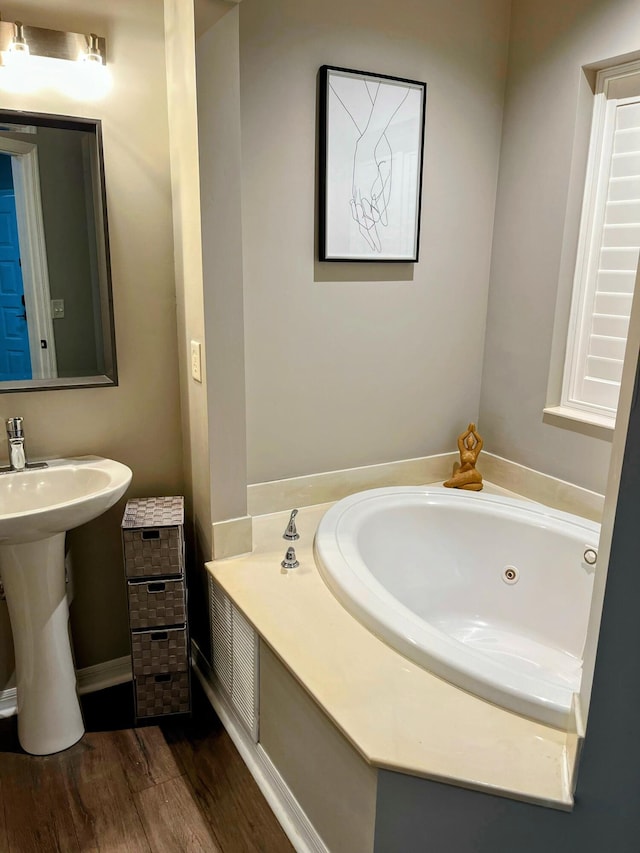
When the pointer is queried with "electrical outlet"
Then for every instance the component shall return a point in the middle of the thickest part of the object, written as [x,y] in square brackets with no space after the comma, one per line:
[196,360]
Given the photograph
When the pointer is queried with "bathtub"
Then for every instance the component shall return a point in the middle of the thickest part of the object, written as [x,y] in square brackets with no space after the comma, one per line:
[488,592]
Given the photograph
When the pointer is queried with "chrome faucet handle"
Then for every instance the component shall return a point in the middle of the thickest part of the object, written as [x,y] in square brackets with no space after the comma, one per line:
[290,561]
[15,427]
[291,532]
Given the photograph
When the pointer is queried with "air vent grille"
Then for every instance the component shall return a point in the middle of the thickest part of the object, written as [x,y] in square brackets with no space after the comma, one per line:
[234,645]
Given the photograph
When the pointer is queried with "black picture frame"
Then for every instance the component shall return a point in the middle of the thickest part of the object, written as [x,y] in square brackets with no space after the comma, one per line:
[371,161]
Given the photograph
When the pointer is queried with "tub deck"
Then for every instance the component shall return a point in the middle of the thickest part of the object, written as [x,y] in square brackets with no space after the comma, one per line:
[397,715]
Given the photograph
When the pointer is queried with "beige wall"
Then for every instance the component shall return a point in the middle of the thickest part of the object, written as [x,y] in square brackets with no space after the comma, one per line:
[183,136]
[550,42]
[345,365]
[217,68]
[350,364]
[138,422]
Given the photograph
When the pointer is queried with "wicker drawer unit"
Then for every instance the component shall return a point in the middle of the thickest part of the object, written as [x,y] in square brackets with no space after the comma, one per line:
[153,551]
[159,651]
[153,544]
[156,603]
[167,693]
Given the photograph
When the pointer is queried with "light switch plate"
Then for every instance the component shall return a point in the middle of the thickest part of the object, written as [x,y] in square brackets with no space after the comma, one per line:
[57,309]
[196,360]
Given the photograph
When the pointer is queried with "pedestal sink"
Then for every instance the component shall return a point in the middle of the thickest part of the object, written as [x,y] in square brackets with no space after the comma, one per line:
[37,507]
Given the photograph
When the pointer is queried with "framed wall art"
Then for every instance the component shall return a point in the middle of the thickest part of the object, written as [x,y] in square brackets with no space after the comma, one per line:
[371,152]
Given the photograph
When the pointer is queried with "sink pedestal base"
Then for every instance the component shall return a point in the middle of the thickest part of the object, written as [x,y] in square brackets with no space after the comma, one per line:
[49,716]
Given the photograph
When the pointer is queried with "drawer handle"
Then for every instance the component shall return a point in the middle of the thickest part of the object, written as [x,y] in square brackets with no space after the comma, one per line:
[164,677]
[150,534]
[156,587]
[159,635]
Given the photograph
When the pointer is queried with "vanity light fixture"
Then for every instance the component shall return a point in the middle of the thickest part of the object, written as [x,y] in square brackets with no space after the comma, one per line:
[23,39]
[34,57]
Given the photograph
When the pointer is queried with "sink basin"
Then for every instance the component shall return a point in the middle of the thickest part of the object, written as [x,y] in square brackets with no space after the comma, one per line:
[37,507]
[38,503]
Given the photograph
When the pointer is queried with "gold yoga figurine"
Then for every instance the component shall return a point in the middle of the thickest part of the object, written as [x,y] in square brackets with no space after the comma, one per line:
[465,475]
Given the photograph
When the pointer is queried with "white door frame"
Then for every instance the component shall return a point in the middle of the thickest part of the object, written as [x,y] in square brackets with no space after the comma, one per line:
[33,254]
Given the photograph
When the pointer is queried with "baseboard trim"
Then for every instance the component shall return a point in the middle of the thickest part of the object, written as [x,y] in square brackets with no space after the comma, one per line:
[89,680]
[290,814]
[103,675]
[8,705]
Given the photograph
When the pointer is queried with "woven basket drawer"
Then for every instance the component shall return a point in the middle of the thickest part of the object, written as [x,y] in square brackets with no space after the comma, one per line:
[152,551]
[155,652]
[154,604]
[162,694]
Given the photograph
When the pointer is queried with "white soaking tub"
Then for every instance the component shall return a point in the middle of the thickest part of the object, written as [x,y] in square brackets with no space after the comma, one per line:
[490,593]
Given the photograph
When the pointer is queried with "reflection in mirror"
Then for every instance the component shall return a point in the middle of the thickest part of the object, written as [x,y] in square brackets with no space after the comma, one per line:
[56,317]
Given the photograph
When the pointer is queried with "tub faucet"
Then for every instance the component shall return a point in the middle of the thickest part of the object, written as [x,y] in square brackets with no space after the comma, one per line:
[290,560]
[17,454]
[291,533]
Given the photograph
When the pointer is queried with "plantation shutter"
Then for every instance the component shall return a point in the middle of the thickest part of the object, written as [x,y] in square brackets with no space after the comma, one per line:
[607,269]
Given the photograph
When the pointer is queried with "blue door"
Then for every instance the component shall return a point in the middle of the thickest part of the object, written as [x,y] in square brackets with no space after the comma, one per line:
[15,359]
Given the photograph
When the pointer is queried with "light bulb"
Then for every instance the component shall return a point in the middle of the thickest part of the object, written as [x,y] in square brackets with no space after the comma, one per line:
[18,53]
[92,55]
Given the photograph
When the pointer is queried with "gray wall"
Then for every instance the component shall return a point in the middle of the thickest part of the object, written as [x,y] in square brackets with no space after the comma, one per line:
[550,42]
[350,364]
[417,816]
[330,780]
[63,186]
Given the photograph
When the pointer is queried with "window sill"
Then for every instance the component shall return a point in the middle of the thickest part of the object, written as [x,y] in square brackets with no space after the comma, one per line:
[601,426]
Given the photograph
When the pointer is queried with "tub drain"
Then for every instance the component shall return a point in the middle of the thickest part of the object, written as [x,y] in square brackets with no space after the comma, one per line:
[510,574]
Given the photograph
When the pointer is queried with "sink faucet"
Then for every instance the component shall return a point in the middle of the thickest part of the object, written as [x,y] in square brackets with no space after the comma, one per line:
[17,454]
[15,436]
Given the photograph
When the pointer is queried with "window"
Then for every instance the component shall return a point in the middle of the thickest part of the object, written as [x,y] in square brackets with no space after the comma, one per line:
[608,250]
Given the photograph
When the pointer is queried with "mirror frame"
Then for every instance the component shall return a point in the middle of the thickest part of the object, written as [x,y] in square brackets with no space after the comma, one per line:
[110,377]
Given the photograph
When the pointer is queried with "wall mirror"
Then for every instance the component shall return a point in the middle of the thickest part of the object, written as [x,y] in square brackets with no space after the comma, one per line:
[56,312]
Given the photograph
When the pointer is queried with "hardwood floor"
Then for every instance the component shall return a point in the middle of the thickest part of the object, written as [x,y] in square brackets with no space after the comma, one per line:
[174,788]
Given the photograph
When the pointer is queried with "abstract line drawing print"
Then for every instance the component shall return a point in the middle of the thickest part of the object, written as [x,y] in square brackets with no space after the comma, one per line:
[373,141]
[371,115]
